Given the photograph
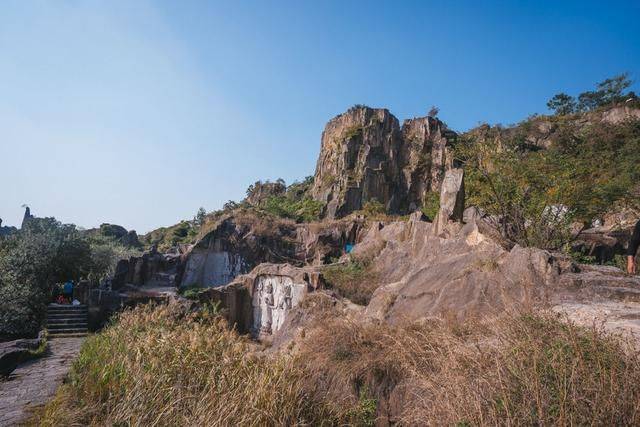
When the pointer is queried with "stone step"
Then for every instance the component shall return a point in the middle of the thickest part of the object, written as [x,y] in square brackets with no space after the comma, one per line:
[66,307]
[67,316]
[75,319]
[52,326]
[68,331]
[68,335]
[81,311]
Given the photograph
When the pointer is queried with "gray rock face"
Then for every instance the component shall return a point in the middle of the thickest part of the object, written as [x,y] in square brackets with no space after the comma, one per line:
[27,217]
[151,269]
[15,352]
[359,161]
[365,155]
[261,191]
[425,157]
[260,301]
[451,200]
[213,266]
[118,232]
[238,244]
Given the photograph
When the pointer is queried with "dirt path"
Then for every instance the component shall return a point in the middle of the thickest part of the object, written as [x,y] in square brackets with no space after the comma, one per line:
[35,382]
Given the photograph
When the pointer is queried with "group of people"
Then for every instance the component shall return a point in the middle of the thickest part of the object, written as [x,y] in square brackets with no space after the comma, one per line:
[65,294]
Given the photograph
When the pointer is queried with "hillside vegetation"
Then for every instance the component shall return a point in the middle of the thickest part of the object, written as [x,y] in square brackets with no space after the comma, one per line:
[39,257]
[160,366]
[545,178]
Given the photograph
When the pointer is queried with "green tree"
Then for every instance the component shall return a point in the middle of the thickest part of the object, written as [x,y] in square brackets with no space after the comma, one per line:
[562,104]
[200,217]
[612,89]
[32,261]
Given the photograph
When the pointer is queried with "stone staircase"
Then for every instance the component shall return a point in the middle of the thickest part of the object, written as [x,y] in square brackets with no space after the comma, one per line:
[66,320]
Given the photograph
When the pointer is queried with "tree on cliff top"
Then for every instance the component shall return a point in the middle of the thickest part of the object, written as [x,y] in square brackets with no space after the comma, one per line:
[608,92]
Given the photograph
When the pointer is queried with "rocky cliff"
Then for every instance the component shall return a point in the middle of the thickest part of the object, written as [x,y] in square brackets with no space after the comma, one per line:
[237,243]
[365,155]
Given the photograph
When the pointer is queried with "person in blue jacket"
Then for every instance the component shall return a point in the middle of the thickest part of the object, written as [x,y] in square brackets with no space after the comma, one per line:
[633,249]
[67,290]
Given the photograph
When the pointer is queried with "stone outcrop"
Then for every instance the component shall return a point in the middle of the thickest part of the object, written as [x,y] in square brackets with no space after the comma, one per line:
[543,132]
[359,162]
[260,301]
[366,156]
[27,217]
[12,353]
[120,234]
[151,269]
[425,157]
[451,200]
[238,243]
[259,192]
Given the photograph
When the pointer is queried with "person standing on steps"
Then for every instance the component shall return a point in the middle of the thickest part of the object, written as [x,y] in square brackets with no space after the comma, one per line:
[634,243]
[67,290]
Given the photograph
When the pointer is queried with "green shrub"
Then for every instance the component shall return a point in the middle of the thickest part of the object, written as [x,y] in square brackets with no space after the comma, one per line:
[536,195]
[41,255]
[373,208]
[354,280]
[431,205]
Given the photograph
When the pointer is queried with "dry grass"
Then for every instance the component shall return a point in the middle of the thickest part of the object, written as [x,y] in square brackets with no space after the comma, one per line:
[524,370]
[354,280]
[161,367]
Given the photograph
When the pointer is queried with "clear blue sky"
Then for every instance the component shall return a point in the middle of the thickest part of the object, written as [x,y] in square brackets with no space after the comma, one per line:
[138,112]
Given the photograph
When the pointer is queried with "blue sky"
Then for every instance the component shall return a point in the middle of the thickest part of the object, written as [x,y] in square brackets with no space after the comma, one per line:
[139,112]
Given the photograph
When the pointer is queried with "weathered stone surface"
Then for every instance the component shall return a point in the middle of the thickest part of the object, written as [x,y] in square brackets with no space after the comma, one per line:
[259,192]
[364,155]
[150,269]
[27,217]
[259,302]
[236,244]
[468,274]
[425,157]
[14,352]
[451,200]
[35,382]
[359,161]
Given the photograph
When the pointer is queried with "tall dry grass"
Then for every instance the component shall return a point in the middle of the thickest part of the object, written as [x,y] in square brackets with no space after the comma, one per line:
[531,369]
[158,366]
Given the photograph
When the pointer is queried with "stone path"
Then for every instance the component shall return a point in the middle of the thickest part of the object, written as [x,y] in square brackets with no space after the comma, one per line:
[35,382]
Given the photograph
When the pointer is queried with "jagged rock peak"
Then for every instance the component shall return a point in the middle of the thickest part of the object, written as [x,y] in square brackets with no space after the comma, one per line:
[366,156]
[358,161]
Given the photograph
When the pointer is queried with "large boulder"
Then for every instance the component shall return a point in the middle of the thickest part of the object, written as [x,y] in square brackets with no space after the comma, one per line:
[12,353]
[451,200]
[120,234]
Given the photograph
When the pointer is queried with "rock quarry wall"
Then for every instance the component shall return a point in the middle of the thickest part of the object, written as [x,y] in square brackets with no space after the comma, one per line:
[366,155]
[235,245]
